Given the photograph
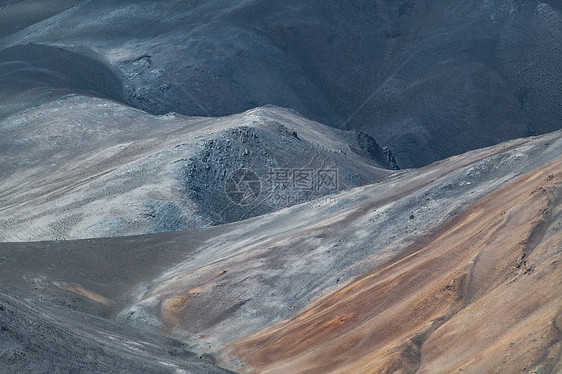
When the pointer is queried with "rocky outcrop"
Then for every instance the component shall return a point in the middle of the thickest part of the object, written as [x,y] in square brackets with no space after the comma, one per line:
[367,145]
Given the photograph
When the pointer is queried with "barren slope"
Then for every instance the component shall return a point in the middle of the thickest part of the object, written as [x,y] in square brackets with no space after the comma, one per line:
[428,79]
[482,293]
[452,266]
[79,167]
[39,337]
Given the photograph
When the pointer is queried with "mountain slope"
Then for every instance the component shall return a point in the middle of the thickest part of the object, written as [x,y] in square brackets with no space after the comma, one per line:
[37,337]
[79,167]
[219,231]
[454,266]
[427,79]
[482,293]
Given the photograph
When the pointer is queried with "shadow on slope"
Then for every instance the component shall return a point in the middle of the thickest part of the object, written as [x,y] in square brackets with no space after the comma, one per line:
[38,337]
[26,69]
[427,79]
[18,14]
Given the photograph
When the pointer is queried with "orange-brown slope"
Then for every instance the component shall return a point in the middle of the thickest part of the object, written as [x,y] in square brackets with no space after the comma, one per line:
[481,294]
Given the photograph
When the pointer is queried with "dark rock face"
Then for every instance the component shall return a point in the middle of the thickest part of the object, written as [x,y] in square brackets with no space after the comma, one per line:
[382,155]
[390,161]
[268,149]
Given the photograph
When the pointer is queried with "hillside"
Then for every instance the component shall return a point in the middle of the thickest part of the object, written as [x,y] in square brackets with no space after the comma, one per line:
[452,266]
[260,186]
[81,167]
[429,80]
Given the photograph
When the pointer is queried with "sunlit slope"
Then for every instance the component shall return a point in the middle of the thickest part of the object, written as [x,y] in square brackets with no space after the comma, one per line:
[263,271]
[451,266]
[82,167]
[482,293]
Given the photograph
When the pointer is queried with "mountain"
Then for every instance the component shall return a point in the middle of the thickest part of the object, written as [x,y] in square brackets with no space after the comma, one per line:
[428,80]
[81,167]
[252,186]
[454,266]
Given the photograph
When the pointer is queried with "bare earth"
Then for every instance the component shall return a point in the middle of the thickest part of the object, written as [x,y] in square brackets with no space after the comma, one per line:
[123,250]
[451,267]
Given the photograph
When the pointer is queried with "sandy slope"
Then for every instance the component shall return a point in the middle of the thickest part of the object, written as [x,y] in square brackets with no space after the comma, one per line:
[79,167]
[480,294]
[452,266]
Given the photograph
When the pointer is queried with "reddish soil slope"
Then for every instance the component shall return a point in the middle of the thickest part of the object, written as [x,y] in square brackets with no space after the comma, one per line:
[480,295]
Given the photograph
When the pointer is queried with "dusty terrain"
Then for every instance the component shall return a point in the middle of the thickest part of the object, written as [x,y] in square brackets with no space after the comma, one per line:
[38,337]
[452,266]
[228,186]
[479,294]
[80,167]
